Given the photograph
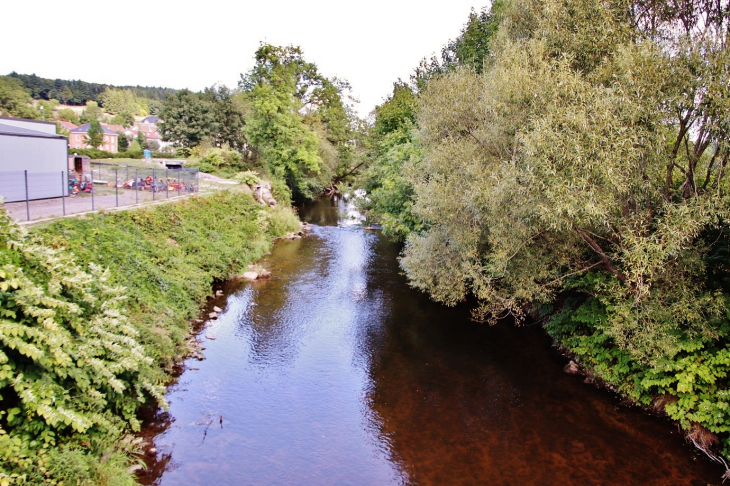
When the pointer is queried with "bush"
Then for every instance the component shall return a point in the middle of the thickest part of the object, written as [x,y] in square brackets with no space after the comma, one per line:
[165,155]
[101,154]
[281,191]
[248,177]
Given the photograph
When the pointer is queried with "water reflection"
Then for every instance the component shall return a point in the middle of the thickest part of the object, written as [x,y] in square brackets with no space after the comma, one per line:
[335,372]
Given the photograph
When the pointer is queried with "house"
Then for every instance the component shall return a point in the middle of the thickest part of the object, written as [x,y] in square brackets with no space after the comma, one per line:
[67,125]
[32,155]
[150,120]
[77,138]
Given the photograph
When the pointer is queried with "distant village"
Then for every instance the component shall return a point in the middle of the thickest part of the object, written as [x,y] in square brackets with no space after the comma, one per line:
[78,134]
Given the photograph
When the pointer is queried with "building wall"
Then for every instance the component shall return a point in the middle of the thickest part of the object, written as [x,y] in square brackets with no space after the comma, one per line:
[78,141]
[44,159]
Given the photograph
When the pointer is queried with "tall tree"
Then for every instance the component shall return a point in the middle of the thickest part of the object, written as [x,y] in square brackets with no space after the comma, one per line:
[279,86]
[228,116]
[95,134]
[186,119]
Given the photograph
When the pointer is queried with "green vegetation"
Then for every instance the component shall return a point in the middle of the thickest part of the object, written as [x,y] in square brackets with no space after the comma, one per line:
[79,92]
[284,119]
[568,160]
[94,312]
[95,135]
[15,100]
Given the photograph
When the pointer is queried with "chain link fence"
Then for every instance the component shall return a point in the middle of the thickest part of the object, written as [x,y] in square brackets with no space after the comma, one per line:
[32,196]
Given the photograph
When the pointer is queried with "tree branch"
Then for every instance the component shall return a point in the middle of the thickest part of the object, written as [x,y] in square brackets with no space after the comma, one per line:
[604,258]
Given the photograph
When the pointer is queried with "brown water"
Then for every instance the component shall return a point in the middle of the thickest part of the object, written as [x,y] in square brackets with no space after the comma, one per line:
[334,372]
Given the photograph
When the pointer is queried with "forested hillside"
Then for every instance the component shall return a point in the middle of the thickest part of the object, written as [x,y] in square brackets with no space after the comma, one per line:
[566,161]
[77,92]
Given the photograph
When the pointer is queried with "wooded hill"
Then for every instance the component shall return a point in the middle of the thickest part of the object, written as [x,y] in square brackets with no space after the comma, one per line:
[76,92]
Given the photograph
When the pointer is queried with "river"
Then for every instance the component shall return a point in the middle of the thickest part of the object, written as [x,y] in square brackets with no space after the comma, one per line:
[335,372]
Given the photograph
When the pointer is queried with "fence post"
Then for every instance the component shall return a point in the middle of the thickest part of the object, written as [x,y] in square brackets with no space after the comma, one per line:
[154,183]
[116,184]
[167,185]
[92,189]
[27,203]
[136,187]
[63,193]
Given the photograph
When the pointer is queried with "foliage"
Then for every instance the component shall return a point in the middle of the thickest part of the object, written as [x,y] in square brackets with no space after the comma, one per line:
[186,119]
[395,152]
[248,177]
[587,159]
[71,360]
[123,102]
[297,121]
[94,311]
[102,154]
[134,150]
[228,109]
[141,140]
[95,134]
[79,92]
[124,119]
[91,112]
[67,114]
[122,142]
[15,100]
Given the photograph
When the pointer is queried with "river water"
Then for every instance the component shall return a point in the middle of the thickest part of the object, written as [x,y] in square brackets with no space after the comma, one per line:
[335,372]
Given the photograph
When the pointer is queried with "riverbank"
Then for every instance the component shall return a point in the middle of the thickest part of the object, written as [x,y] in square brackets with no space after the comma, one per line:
[84,348]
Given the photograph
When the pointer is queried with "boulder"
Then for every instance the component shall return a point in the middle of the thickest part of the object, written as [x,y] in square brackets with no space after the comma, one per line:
[217,309]
[250,275]
[572,368]
[213,315]
[219,293]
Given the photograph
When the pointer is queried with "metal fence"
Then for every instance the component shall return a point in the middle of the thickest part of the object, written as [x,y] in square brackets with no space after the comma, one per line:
[31,196]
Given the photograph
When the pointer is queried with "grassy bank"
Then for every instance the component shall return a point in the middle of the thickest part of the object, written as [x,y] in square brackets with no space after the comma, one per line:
[93,313]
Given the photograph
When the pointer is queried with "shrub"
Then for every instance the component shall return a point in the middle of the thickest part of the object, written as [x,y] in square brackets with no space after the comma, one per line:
[248,177]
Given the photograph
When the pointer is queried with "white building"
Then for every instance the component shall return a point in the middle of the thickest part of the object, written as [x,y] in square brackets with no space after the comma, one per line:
[32,155]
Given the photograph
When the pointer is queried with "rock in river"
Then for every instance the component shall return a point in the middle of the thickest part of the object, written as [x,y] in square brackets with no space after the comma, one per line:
[250,275]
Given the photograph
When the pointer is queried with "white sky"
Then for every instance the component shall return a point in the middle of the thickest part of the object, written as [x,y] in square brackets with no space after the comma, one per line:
[179,44]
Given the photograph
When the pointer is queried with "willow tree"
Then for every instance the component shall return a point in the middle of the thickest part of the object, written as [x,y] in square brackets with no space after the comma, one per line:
[591,150]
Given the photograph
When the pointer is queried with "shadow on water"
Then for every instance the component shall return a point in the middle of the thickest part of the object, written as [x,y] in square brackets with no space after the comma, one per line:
[334,371]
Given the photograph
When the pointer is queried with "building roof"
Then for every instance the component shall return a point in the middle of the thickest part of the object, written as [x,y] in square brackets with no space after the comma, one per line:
[68,125]
[13,131]
[113,128]
[85,128]
[25,120]
[151,119]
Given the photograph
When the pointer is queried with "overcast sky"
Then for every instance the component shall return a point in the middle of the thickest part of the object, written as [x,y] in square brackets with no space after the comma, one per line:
[180,44]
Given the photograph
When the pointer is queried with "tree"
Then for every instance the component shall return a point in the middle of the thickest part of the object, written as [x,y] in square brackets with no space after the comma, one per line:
[565,159]
[124,119]
[186,119]
[228,116]
[122,142]
[393,146]
[91,112]
[15,100]
[67,114]
[297,120]
[142,140]
[95,135]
